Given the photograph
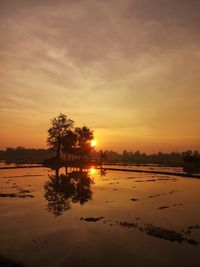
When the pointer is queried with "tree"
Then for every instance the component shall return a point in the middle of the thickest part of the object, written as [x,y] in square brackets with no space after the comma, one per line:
[102,156]
[60,126]
[69,142]
[84,136]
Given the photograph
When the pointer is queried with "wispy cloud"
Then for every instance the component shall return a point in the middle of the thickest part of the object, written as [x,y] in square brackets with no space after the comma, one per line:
[114,65]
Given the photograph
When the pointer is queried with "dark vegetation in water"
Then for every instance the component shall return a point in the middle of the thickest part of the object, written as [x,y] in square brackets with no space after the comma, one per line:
[166,234]
[191,228]
[21,194]
[163,207]
[161,194]
[110,201]
[150,229]
[164,179]
[176,205]
[156,195]
[128,225]
[194,227]
[91,219]
[159,232]
[134,199]
[6,262]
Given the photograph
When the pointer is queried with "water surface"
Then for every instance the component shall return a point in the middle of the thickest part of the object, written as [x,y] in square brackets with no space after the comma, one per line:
[99,219]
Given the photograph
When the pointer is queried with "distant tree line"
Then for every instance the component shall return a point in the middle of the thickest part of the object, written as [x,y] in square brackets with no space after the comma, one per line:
[191,157]
[137,157]
[31,155]
[25,155]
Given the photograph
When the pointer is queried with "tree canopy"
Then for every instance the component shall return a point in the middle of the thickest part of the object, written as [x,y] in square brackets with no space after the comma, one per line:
[60,127]
[63,137]
[84,136]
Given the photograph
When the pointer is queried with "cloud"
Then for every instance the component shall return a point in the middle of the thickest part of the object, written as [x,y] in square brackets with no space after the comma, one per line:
[111,64]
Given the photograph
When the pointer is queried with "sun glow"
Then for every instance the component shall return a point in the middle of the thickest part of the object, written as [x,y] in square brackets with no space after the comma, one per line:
[92,171]
[93,143]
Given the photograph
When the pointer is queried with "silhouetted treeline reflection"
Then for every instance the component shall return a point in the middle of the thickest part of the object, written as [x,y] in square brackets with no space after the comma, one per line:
[63,189]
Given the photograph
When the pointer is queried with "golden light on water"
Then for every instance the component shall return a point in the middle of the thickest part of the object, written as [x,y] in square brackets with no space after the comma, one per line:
[92,170]
[93,143]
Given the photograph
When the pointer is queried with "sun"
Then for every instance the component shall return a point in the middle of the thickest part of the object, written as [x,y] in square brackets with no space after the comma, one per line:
[93,143]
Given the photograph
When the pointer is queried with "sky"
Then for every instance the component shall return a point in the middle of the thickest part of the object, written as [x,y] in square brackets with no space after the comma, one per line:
[129,70]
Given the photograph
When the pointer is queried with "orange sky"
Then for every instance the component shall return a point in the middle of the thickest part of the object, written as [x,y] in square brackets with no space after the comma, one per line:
[127,69]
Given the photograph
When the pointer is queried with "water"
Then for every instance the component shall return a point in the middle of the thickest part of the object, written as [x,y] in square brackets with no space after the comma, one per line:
[158,168]
[56,219]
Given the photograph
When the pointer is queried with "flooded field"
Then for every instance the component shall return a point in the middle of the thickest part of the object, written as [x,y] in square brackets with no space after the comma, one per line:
[97,218]
[157,168]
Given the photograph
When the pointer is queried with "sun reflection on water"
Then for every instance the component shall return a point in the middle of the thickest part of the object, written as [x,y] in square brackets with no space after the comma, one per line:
[92,170]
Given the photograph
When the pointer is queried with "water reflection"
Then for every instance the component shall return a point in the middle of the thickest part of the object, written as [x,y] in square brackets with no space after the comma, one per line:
[63,189]
[102,172]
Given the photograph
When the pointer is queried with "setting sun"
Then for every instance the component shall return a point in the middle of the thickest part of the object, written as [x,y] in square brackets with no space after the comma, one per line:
[93,143]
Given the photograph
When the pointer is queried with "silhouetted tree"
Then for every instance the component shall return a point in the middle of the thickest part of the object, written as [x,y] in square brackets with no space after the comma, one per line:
[191,157]
[69,142]
[125,156]
[84,136]
[60,127]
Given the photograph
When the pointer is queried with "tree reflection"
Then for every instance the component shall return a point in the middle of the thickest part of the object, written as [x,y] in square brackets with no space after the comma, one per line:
[62,190]
[102,172]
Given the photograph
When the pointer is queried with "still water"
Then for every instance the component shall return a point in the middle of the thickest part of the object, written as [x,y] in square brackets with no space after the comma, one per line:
[97,218]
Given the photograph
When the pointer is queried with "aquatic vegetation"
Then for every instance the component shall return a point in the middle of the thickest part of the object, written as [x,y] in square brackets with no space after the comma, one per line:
[91,219]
